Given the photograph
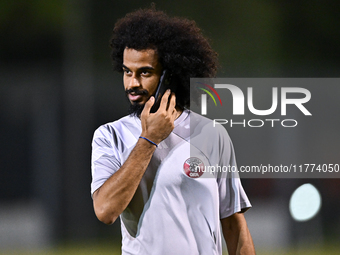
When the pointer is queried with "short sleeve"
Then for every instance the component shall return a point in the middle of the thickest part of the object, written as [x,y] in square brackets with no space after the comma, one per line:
[105,158]
[232,196]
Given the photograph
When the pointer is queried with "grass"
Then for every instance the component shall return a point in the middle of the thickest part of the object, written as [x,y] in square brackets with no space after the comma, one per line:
[110,248]
[81,248]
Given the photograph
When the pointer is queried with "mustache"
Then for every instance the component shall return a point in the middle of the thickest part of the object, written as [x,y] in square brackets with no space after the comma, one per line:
[136,91]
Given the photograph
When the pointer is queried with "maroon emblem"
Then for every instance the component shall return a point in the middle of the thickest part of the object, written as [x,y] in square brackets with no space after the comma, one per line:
[193,167]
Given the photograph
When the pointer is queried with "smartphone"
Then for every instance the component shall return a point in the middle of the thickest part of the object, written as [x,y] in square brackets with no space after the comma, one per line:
[165,82]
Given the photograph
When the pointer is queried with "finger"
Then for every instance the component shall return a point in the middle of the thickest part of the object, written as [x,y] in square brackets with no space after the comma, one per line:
[172,103]
[147,107]
[174,115]
[164,102]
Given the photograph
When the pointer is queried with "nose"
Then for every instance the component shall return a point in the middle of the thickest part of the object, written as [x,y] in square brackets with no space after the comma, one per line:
[133,82]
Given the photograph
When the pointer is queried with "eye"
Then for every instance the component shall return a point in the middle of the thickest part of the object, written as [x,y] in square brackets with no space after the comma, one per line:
[145,73]
[126,71]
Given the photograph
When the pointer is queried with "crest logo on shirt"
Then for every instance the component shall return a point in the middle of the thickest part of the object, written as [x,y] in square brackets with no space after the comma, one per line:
[193,167]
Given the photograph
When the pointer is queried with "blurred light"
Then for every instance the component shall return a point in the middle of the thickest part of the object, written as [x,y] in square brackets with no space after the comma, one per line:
[305,202]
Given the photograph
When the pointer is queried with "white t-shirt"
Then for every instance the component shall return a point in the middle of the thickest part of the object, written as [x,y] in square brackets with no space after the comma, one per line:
[174,211]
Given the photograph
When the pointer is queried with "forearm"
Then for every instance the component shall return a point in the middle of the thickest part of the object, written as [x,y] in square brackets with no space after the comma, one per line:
[111,199]
[237,235]
[245,242]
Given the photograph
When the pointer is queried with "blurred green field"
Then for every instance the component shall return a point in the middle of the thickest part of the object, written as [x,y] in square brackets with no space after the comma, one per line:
[107,248]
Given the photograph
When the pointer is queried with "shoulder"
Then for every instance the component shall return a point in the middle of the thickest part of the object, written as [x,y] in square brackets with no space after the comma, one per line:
[202,126]
[122,131]
[116,126]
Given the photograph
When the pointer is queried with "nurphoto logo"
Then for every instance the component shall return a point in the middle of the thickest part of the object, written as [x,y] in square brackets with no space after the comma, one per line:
[280,98]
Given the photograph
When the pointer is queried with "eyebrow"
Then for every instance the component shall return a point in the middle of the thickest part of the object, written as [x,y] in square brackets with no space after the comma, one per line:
[141,68]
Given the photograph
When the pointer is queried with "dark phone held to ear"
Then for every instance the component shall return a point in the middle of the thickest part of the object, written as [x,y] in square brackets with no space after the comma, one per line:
[165,82]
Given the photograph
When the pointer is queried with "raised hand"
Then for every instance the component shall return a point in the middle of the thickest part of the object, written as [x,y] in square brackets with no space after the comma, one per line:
[157,126]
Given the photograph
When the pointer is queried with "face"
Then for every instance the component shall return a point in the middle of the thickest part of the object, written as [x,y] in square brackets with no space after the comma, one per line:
[142,72]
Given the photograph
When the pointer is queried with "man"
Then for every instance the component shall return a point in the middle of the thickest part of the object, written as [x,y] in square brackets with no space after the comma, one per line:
[140,163]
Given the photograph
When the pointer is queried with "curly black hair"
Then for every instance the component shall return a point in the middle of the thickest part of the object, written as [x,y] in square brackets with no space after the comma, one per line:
[181,47]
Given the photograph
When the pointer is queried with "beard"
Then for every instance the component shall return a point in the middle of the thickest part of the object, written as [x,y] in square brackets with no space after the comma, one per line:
[136,108]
